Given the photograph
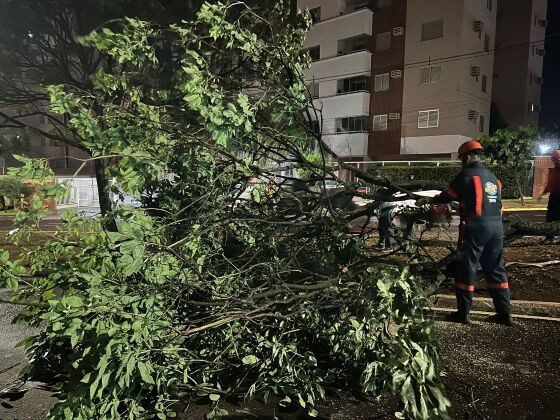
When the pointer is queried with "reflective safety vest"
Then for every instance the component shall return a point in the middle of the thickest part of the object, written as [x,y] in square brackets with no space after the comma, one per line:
[478,192]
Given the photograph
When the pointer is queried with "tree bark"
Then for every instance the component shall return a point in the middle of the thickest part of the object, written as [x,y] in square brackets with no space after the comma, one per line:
[105,203]
[520,189]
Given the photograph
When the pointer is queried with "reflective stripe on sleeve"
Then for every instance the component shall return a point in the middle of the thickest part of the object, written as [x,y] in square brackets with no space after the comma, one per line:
[478,195]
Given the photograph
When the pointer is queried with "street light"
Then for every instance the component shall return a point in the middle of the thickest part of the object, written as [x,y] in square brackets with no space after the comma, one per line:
[544,148]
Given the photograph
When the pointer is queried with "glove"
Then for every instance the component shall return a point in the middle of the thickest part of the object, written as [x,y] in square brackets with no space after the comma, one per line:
[423,201]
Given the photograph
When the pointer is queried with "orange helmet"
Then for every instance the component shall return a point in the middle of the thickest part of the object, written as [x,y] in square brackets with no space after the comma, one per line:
[469,146]
[555,155]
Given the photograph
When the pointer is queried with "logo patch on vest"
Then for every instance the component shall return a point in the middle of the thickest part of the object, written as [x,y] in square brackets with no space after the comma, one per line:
[492,191]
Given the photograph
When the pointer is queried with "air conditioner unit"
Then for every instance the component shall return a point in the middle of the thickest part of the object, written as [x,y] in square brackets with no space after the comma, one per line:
[475,71]
[478,26]
[395,74]
[473,115]
[540,51]
[543,23]
[398,31]
[395,116]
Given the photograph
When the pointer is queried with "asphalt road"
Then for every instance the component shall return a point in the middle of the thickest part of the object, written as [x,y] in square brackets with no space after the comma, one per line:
[33,401]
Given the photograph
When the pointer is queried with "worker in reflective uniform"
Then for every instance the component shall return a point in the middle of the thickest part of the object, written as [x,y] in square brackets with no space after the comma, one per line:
[553,188]
[481,234]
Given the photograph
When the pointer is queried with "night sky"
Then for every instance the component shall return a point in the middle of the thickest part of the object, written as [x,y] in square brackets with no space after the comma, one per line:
[550,100]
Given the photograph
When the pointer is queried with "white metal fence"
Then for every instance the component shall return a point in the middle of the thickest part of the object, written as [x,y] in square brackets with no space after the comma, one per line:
[82,191]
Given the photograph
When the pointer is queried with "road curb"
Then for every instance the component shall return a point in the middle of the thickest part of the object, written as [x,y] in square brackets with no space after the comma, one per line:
[506,210]
[518,307]
[486,313]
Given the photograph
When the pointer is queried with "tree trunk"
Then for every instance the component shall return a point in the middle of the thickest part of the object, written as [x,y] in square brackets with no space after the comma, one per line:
[105,203]
[520,188]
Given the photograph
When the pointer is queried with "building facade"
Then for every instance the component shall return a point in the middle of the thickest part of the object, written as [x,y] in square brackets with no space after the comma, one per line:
[401,79]
[520,36]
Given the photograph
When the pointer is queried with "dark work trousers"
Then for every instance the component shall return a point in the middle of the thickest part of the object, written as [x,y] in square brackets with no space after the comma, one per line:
[482,242]
[553,211]
[385,218]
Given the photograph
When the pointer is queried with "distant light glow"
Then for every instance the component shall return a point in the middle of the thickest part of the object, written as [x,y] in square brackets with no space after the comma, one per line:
[544,148]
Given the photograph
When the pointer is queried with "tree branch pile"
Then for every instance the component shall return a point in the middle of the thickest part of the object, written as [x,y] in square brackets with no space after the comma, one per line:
[233,278]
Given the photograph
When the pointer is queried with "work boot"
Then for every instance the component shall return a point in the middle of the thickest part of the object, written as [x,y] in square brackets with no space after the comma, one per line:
[458,317]
[504,319]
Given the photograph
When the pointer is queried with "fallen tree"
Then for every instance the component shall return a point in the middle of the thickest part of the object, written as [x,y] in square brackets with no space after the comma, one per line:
[213,289]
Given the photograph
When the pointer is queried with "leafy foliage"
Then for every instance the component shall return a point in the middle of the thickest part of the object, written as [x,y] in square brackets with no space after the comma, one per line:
[512,148]
[438,177]
[207,292]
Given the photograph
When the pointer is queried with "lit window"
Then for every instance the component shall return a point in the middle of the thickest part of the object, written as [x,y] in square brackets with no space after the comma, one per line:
[383,41]
[380,122]
[381,82]
[432,30]
[428,119]
[430,75]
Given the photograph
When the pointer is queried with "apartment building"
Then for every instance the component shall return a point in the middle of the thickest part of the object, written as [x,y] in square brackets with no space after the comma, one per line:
[401,78]
[518,62]
[64,160]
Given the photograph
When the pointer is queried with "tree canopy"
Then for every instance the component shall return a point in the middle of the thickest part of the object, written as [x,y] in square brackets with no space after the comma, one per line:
[513,148]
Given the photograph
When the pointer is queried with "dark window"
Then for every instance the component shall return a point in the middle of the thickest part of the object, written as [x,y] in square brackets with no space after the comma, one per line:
[381,82]
[382,4]
[352,84]
[484,83]
[314,53]
[481,124]
[380,122]
[351,125]
[486,42]
[489,4]
[430,75]
[428,119]
[432,30]
[383,41]
[353,5]
[315,14]
[356,43]
[313,90]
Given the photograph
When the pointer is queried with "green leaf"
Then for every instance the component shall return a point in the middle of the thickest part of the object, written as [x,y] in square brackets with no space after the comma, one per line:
[146,377]
[214,397]
[72,301]
[250,360]
[12,283]
[313,413]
